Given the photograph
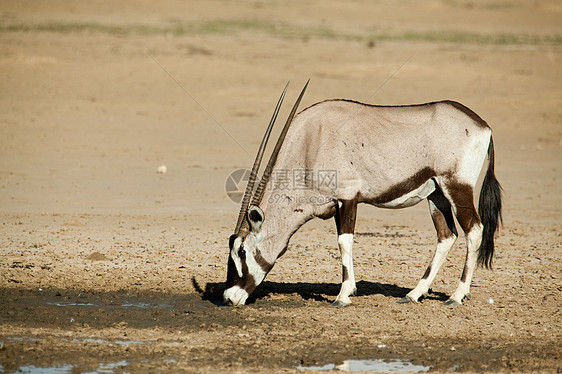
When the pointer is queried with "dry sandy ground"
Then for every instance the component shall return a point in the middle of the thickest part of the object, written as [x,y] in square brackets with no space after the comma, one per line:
[107,265]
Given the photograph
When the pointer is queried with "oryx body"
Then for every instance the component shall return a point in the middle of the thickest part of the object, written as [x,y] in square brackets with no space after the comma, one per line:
[386,156]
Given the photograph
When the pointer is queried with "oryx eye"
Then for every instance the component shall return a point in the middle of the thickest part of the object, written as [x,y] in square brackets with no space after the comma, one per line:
[241,253]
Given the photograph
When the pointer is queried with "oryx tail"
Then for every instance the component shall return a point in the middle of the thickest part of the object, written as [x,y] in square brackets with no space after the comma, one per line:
[490,211]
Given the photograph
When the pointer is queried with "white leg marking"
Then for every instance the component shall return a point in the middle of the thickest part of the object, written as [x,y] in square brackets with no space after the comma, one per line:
[473,240]
[345,242]
[236,295]
[441,252]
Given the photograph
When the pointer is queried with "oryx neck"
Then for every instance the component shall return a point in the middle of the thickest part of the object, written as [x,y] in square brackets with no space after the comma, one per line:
[282,220]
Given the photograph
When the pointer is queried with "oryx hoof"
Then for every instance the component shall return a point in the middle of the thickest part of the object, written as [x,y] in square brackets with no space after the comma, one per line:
[339,303]
[451,302]
[406,300]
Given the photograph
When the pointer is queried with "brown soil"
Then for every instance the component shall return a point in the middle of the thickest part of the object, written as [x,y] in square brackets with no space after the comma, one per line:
[106,263]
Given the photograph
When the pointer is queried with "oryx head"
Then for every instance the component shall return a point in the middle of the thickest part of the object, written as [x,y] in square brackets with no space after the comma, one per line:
[246,265]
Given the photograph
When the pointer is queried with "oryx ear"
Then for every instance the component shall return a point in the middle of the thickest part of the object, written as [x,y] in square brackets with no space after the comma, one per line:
[255,218]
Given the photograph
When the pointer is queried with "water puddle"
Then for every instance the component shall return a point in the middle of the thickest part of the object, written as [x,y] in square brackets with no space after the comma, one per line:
[373,366]
[30,369]
[138,305]
[88,340]
[129,342]
[83,340]
[23,339]
[108,368]
[146,306]
[103,341]
[71,304]
[68,369]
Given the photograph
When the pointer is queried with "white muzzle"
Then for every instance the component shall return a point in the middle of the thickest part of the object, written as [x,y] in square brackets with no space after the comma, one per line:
[235,296]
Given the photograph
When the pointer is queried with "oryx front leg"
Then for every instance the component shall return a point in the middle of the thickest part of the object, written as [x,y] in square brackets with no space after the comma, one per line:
[442,217]
[345,222]
[348,288]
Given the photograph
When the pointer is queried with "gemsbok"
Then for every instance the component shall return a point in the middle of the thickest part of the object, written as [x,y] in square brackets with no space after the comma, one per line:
[338,153]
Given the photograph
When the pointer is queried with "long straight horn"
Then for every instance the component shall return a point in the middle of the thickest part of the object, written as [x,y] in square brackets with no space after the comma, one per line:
[268,169]
[257,162]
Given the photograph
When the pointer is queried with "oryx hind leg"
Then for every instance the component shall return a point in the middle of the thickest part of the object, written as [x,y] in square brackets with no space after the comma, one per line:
[462,199]
[346,213]
[442,217]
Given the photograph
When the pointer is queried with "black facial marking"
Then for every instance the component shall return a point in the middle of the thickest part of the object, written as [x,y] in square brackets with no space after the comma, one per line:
[265,266]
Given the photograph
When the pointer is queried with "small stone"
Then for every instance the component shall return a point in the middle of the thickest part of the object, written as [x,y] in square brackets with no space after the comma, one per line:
[96,256]
[162,169]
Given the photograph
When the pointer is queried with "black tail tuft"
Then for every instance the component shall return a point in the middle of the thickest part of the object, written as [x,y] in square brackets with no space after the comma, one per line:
[490,211]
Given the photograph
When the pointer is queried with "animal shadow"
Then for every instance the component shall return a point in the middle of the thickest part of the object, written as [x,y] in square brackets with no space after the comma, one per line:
[323,292]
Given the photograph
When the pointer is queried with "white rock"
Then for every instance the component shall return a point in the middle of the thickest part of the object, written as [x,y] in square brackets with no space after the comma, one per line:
[162,169]
[490,301]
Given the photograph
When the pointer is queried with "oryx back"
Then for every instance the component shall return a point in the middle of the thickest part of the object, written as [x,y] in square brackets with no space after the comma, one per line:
[387,155]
